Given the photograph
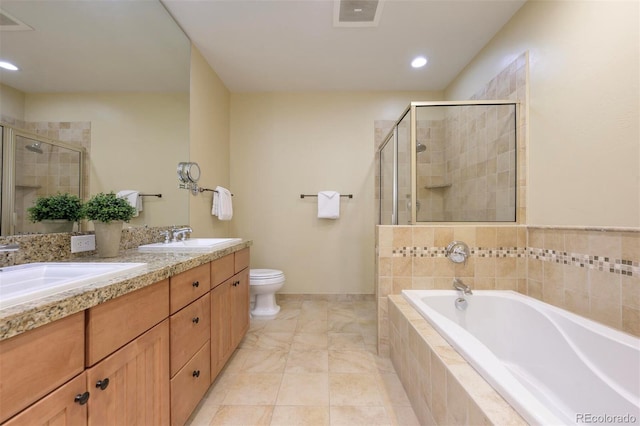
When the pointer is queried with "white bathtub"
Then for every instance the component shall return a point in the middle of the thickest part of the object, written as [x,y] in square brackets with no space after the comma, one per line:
[552,366]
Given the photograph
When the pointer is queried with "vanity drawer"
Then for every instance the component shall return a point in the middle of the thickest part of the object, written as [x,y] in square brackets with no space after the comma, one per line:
[189,329]
[189,385]
[34,363]
[115,323]
[222,270]
[188,286]
[241,260]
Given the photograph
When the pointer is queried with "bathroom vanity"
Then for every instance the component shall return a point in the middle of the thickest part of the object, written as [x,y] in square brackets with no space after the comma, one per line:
[140,349]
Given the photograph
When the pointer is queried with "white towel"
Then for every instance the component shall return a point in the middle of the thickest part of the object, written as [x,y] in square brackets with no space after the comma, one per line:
[328,205]
[133,198]
[222,205]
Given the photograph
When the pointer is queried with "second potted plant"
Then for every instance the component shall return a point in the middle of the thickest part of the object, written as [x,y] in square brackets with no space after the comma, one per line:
[108,213]
[56,213]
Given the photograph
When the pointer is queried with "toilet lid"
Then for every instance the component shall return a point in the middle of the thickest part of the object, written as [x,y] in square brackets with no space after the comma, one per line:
[264,273]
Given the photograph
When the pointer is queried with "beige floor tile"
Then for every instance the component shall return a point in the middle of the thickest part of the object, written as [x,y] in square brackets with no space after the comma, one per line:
[284,415]
[311,325]
[403,416]
[203,414]
[264,361]
[304,389]
[280,341]
[359,416]
[354,389]
[309,341]
[346,341]
[287,313]
[277,325]
[249,341]
[343,326]
[307,362]
[238,415]
[254,389]
[236,362]
[392,390]
[343,361]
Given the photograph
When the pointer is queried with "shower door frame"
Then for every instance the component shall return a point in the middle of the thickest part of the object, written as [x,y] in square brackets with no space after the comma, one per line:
[9,141]
[412,110]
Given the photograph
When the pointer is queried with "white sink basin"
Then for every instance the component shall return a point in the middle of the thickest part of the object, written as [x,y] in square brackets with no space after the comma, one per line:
[33,281]
[190,245]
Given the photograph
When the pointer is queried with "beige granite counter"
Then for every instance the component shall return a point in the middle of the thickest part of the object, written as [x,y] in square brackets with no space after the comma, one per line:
[26,316]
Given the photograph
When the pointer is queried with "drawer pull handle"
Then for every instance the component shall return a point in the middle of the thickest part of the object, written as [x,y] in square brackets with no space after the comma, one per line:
[195,320]
[196,284]
[236,283]
[102,384]
[196,373]
[81,398]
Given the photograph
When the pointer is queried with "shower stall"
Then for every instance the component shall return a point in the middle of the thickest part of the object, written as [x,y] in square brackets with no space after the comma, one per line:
[449,162]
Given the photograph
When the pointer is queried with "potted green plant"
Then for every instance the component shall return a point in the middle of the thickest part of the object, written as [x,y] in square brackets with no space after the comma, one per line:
[56,213]
[108,213]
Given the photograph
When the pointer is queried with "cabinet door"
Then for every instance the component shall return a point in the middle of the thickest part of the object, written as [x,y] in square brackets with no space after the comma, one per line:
[220,326]
[240,307]
[38,361]
[137,391]
[62,407]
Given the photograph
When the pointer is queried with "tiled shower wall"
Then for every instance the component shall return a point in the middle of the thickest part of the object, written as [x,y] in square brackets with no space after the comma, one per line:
[594,273]
[55,170]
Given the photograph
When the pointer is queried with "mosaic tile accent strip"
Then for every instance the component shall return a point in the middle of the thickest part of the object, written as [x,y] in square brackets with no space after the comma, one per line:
[600,263]
[441,252]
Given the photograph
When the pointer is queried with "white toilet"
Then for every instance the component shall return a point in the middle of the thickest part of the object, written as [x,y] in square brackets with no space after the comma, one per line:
[263,284]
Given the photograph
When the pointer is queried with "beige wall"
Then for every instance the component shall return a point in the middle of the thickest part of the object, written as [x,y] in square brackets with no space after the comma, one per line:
[209,144]
[11,102]
[584,155]
[137,139]
[285,144]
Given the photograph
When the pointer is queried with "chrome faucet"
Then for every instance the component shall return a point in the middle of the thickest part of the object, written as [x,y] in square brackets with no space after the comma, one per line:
[9,247]
[181,233]
[461,287]
[165,234]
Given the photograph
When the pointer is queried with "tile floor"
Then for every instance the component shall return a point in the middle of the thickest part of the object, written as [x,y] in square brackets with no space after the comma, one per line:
[314,364]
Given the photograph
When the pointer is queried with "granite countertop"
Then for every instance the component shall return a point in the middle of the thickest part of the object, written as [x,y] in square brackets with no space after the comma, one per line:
[26,316]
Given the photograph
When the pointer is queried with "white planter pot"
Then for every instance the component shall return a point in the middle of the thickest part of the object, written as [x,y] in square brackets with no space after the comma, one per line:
[108,237]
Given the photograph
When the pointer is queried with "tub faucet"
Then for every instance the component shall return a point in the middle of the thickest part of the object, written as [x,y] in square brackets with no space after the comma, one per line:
[460,286]
[181,233]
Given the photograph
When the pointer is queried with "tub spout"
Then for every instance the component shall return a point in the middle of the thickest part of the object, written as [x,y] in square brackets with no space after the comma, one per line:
[460,286]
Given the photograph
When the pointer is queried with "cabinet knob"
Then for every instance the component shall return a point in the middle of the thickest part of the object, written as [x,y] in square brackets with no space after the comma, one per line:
[196,320]
[196,373]
[102,384]
[196,284]
[81,398]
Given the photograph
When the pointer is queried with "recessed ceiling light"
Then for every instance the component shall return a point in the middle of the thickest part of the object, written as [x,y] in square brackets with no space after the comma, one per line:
[419,62]
[8,66]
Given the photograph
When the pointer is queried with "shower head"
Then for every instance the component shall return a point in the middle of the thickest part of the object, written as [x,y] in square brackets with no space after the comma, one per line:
[35,147]
[420,147]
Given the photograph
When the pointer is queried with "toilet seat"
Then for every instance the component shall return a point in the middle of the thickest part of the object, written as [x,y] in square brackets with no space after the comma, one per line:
[265,276]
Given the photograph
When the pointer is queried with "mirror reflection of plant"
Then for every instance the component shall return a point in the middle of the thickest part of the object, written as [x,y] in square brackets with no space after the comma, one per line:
[56,207]
[107,207]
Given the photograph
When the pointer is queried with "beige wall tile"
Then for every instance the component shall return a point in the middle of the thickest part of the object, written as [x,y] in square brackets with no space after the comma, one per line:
[466,234]
[507,237]
[605,286]
[536,238]
[630,291]
[577,302]
[422,266]
[605,244]
[631,320]
[485,267]
[631,246]
[606,311]
[554,239]
[576,241]
[457,401]
[402,236]
[486,236]
[506,267]
[423,236]
[402,266]
[442,236]
[576,278]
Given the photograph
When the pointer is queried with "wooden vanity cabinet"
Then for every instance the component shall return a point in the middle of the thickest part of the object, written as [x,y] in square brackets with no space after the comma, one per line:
[190,333]
[38,361]
[61,407]
[131,386]
[229,308]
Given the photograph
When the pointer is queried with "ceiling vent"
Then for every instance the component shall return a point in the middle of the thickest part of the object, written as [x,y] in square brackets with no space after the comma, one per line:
[9,23]
[356,13]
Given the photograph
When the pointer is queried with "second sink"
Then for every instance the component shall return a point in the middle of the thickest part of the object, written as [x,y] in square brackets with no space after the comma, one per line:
[191,244]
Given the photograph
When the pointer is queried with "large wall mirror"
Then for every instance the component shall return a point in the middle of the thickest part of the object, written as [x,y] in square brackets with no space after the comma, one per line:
[110,78]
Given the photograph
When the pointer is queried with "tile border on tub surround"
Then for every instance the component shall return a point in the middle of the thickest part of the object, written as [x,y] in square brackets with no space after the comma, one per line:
[441,252]
[600,263]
